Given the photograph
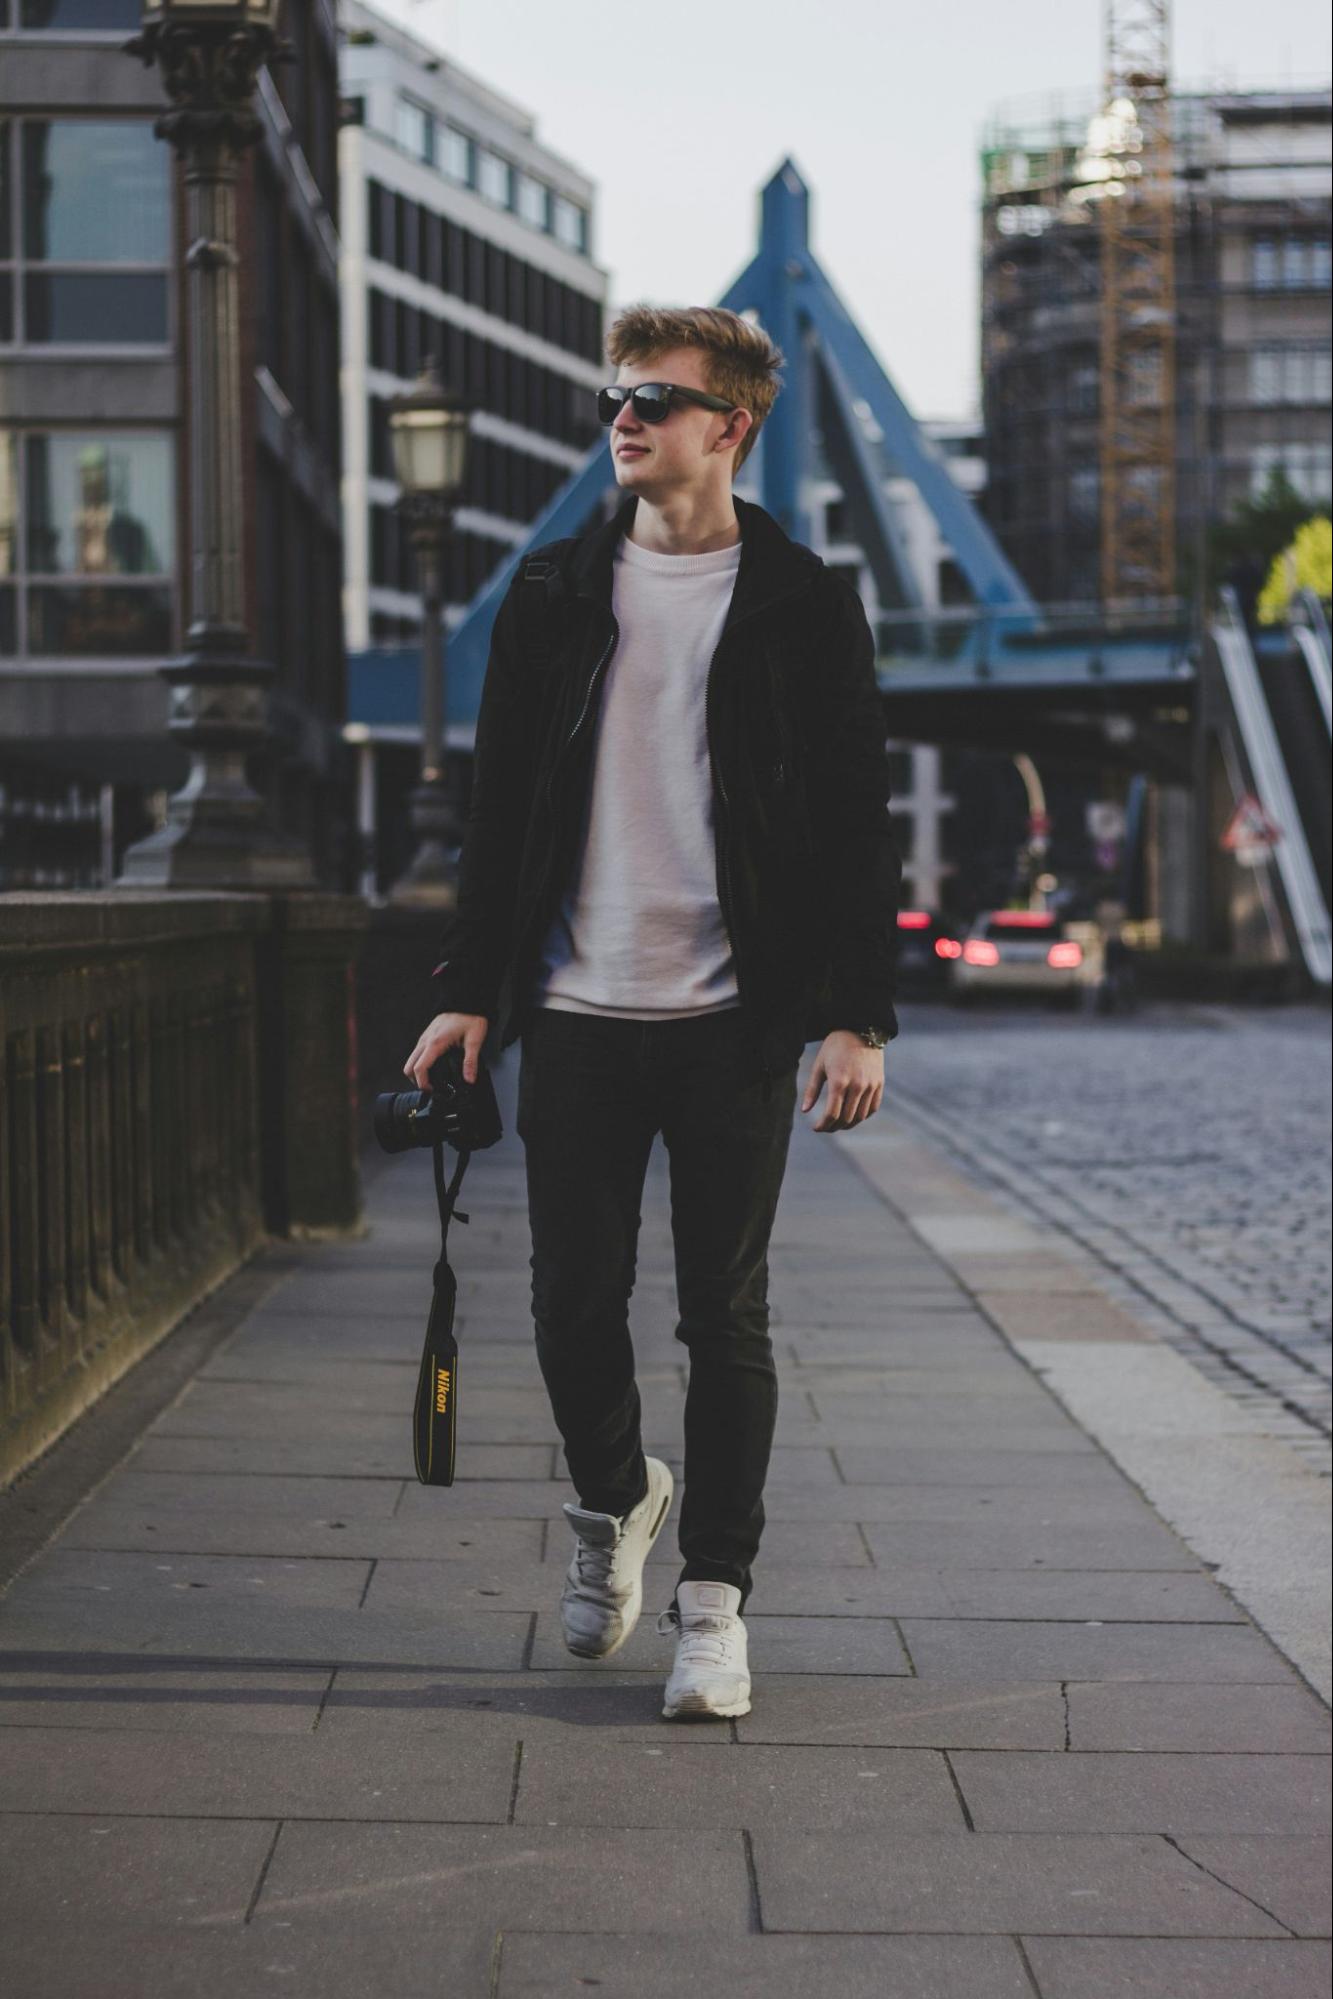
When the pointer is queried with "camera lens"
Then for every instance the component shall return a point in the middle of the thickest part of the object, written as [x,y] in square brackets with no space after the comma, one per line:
[397,1120]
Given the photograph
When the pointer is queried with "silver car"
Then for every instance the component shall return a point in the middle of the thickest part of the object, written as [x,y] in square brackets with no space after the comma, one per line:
[1020,951]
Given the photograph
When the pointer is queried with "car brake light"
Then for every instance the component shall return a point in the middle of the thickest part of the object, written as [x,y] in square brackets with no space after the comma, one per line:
[1063,957]
[977,951]
[948,947]
[913,919]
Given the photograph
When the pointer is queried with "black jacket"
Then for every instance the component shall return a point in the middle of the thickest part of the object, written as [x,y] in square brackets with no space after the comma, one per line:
[807,869]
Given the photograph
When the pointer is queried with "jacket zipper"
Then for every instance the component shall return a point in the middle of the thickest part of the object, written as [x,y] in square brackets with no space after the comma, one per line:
[593,679]
[558,759]
[728,902]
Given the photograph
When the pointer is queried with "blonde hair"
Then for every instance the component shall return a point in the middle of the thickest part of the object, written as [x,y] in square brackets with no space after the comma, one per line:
[740,362]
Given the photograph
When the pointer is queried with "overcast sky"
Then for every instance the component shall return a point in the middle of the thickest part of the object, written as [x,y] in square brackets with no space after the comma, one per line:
[680,114]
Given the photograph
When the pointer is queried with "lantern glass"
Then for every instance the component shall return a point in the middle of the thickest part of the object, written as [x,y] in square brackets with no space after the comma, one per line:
[430,450]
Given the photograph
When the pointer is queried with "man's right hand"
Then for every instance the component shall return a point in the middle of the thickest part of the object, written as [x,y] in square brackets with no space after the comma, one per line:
[447,1028]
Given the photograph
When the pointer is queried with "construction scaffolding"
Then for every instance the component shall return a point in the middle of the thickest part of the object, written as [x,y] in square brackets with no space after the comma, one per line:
[1148,361]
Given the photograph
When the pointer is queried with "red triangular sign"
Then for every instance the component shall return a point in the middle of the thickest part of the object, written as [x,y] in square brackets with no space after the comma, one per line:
[1249,826]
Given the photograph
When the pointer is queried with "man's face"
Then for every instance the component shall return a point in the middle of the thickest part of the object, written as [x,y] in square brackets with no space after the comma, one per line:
[677,456]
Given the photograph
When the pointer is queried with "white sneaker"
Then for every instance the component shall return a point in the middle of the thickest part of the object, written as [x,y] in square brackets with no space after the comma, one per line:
[711,1676]
[603,1593]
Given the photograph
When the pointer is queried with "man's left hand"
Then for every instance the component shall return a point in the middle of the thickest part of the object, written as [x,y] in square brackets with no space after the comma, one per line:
[855,1078]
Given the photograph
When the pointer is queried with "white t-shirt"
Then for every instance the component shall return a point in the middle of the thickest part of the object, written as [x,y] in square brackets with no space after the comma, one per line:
[639,932]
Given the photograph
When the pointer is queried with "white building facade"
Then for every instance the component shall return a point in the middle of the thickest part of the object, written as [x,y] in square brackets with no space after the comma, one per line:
[465,239]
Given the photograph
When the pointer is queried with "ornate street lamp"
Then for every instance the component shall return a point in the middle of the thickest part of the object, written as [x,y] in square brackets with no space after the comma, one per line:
[210,53]
[429,429]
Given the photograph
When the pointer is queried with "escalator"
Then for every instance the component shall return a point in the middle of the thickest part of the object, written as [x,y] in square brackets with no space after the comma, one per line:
[1282,727]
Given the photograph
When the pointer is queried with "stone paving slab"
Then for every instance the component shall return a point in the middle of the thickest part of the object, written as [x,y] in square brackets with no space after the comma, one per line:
[466,1776]
[103,1871]
[520,1877]
[1281,1719]
[1144,1791]
[765,1967]
[385,1456]
[1285,1876]
[1173,1968]
[132,1960]
[1035,1651]
[339,1534]
[1054,1544]
[450,1634]
[66,1691]
[955,1465]
[1036,1883]
[65,1573]
[593,1782]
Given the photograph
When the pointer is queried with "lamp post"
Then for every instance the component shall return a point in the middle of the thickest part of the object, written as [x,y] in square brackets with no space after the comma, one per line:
[210,53]
[429,429]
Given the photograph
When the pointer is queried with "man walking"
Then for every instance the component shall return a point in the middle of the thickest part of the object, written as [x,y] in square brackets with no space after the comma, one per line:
[677,869]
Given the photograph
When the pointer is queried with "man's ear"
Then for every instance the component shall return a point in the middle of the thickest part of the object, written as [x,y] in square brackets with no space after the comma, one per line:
[733,432]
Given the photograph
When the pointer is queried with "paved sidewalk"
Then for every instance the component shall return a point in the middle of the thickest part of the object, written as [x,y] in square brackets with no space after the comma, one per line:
[274,1718]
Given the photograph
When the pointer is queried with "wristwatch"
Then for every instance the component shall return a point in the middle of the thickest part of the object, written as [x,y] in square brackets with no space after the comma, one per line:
[874,1037]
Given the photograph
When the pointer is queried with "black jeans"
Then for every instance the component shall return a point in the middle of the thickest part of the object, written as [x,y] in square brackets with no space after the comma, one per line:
[593,1092]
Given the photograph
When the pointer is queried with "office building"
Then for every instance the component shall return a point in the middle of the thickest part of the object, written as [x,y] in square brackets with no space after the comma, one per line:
[94,442]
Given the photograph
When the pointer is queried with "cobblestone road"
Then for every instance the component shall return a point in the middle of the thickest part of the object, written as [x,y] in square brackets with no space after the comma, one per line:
[1185,1150]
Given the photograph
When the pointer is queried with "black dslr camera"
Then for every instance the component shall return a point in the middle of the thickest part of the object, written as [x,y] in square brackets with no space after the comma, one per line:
[466,1116]
[451,1112]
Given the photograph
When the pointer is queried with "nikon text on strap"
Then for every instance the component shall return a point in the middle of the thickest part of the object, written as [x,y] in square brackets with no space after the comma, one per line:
[435,1419]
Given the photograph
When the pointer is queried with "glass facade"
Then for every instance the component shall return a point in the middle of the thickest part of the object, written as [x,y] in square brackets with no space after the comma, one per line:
[89,268]
[469,163]
[415,239]
[87,543]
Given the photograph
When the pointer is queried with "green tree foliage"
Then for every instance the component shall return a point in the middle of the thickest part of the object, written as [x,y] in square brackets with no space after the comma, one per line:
[1260,529]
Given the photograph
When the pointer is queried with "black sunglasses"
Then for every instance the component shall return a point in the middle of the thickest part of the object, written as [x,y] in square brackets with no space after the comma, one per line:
[652,401]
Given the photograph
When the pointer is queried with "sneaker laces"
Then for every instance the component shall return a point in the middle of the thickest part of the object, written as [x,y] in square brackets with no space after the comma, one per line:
[593,1565]
[704,1641]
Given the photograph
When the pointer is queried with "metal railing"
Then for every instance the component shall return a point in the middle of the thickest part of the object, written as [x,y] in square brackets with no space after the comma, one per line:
[157,1055]
[979,635]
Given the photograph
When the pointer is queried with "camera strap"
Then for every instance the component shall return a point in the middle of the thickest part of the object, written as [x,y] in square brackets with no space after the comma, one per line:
[435,1415]
[445,1197]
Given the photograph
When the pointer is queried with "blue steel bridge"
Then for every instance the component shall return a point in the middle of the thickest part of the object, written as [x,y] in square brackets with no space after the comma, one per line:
[999,671]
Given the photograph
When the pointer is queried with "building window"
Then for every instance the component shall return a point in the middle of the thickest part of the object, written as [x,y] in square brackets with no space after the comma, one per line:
[1289,374]
[87,544]
[89,265]
[531,200]
[1307,466]
[415,129]
[453,154]
[493,177]
[569,222]
[1290,263]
